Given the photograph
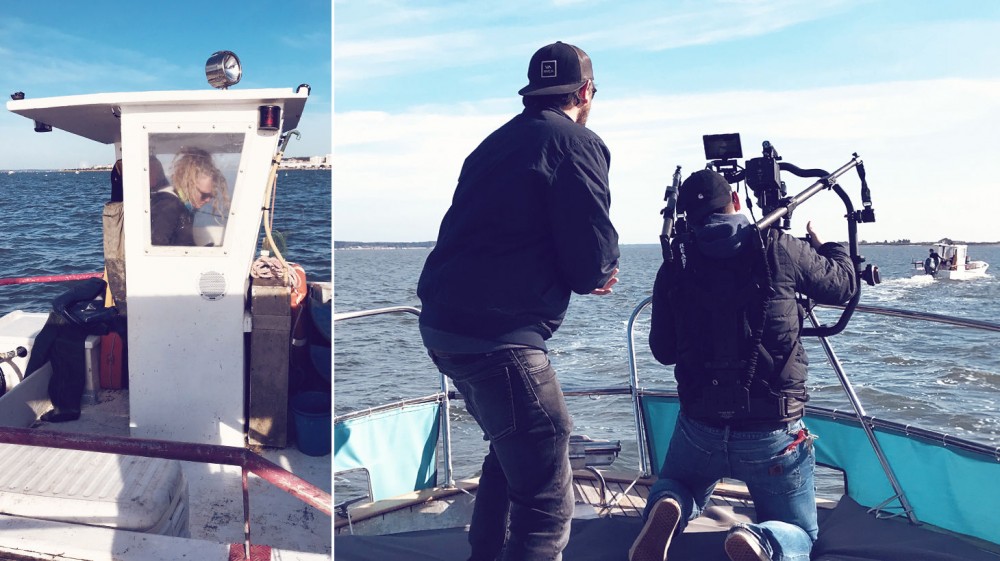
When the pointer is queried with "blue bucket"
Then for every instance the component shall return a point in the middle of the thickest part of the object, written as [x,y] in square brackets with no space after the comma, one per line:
[313,422]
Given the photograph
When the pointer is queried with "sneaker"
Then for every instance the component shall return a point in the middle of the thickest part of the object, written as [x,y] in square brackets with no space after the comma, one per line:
[743,545]
[654,538]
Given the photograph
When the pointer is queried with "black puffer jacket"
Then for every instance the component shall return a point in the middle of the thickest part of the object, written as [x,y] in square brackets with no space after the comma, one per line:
[679,333]
[527,226]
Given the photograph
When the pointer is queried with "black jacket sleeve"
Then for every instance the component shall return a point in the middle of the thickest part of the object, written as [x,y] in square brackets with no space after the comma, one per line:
[663,329]
[586,242]
[827,274]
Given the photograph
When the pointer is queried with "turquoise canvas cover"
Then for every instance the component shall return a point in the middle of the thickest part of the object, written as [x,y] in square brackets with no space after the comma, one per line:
[659,416]
[946,486]
[398,447]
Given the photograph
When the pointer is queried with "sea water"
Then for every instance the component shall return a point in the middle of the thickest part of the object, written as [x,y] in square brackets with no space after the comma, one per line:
[52,225]
[931,375]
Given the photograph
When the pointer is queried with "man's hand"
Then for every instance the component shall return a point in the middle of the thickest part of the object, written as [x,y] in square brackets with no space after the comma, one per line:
[606,289]
[813,238]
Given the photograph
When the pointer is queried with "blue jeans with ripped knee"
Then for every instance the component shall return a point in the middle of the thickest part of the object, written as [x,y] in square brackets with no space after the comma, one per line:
[777,468]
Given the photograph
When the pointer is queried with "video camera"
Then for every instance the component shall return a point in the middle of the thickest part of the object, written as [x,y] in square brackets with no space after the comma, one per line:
[762,175]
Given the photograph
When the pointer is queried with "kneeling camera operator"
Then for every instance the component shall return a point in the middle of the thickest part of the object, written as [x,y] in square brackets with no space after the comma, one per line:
[727,316]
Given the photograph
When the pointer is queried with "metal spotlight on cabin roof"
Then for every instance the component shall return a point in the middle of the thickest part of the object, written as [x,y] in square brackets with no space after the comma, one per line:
[223,69]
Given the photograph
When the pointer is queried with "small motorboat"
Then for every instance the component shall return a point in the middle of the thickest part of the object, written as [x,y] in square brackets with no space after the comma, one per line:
[950,262]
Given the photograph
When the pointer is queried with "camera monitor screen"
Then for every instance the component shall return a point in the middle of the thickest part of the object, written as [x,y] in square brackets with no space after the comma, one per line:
[723,146]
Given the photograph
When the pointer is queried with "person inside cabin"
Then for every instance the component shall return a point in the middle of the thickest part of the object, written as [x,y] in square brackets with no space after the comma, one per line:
[725,314]
[194,181]
[528,226]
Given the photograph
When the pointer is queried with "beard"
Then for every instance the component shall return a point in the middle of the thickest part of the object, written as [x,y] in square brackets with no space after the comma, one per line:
[581,117]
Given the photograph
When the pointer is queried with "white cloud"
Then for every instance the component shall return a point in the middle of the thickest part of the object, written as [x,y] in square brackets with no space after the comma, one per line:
[923,142]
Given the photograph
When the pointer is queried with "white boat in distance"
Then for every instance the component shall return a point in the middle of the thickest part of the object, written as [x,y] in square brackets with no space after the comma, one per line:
[949,262]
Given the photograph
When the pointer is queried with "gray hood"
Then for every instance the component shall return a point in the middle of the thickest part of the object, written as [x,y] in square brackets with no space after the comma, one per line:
[723,235]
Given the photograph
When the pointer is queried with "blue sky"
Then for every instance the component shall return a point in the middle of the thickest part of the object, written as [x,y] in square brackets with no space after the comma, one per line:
[55,48]
[913,86]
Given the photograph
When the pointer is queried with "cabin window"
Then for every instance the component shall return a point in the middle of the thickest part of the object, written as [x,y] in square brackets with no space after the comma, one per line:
[192,181]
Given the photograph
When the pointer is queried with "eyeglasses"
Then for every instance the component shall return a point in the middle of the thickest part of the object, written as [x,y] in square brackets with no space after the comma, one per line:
[593,89]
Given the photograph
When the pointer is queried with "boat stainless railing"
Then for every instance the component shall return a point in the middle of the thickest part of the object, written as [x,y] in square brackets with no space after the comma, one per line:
[633,384]
[859,410]
[444,394]
[866,421]
[635,391]
[938,318]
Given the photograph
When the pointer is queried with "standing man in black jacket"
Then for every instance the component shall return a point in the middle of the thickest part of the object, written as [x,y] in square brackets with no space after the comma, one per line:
[528,225]
[725,313]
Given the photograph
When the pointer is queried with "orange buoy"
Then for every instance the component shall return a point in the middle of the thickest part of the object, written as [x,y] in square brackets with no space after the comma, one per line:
[111,368]
[299,292]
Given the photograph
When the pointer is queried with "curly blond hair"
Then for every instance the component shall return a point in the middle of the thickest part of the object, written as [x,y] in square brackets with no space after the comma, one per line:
[192,162]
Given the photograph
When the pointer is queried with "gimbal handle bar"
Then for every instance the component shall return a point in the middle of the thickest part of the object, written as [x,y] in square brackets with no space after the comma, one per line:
[826,181]
[669,213]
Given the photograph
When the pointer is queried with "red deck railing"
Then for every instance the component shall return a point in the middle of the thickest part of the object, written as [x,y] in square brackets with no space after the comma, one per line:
[247,460]
[50,278]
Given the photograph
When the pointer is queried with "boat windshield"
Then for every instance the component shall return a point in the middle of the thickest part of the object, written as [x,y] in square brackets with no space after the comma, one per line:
[192,182]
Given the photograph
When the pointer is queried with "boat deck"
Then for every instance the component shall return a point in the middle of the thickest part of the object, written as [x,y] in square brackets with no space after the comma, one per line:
[624,497]
[431,525]
[215,494]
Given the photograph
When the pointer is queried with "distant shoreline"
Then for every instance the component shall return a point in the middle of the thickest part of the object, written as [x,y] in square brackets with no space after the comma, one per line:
[426,245]
[383,245]
[297,163]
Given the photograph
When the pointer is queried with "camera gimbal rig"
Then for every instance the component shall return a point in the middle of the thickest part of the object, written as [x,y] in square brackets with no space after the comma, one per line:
[763,178]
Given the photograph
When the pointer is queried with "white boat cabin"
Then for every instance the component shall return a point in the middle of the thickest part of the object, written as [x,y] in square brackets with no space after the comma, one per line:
[186,304]
[950,261]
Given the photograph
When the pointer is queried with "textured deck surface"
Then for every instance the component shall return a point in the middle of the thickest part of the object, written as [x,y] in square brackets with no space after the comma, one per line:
[627,497]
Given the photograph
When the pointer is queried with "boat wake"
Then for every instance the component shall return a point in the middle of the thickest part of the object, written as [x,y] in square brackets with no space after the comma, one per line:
[909,281]
[895,289]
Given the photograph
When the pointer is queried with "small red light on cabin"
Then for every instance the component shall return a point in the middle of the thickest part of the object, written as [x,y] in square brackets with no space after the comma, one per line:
[270,118]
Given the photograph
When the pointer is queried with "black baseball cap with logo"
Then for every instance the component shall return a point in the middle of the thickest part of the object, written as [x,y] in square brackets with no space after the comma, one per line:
[559,68]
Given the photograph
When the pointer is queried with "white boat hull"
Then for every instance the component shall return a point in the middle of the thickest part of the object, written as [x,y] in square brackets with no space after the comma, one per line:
[972,270]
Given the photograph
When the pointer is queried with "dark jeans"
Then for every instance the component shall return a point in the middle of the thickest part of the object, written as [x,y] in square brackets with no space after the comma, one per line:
[525,491]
